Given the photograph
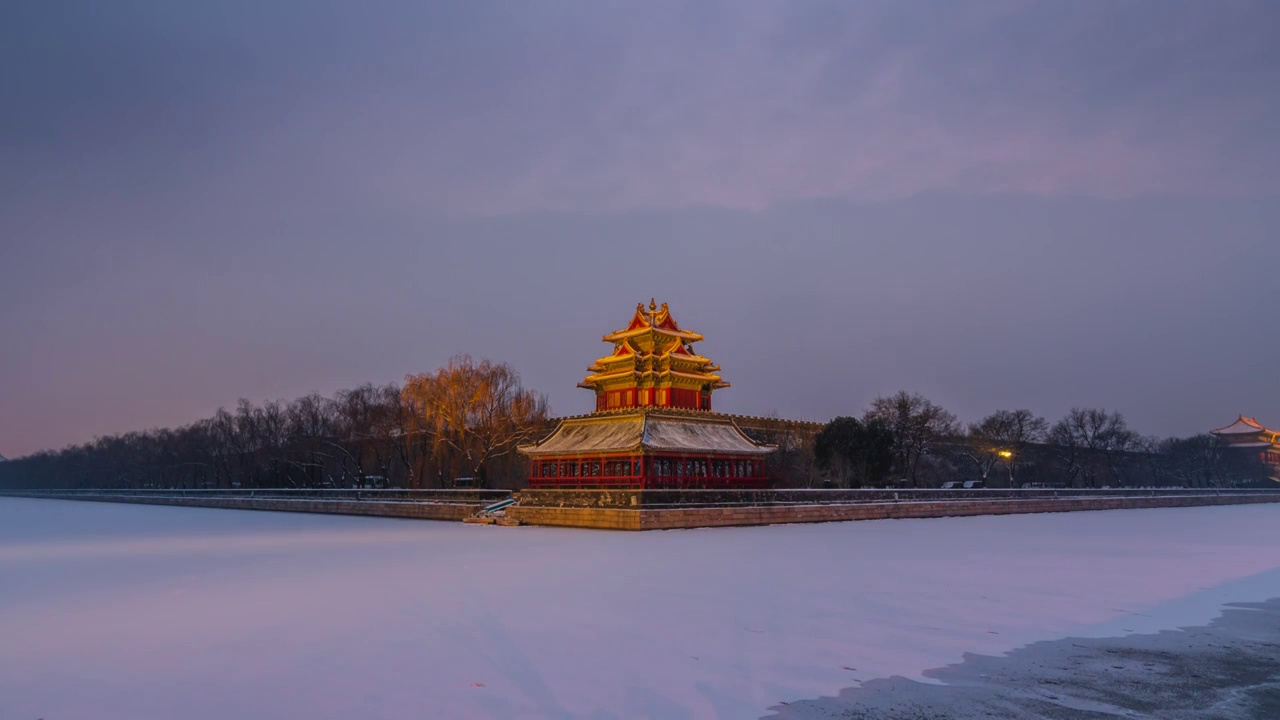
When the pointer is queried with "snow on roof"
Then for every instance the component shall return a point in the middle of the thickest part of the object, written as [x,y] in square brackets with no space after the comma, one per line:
[1242,426]
[648,432]
[588,436]
[686,434]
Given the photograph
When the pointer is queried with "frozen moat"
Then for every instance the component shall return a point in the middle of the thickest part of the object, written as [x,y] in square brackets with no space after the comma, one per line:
[115,611]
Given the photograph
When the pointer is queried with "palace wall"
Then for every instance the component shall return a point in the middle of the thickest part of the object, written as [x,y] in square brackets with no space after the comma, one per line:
[673,509]
[649,517]
[352,506]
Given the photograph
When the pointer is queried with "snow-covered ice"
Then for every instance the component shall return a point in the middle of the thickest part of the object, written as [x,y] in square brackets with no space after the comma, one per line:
[112,611]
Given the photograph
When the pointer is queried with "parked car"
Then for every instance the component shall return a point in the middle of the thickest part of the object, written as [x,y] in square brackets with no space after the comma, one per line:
[952,485]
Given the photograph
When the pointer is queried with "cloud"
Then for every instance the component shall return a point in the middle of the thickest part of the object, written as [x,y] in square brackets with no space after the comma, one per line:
[202,201]
[760,106]
[481,108]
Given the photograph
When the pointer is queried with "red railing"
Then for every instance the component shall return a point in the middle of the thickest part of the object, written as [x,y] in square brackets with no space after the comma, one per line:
[631,471]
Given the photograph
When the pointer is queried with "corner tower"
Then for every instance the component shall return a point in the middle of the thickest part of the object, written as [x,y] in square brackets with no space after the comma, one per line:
[653,364]
[653,426]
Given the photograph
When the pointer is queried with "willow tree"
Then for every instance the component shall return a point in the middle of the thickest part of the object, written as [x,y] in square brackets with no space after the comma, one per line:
[473,414]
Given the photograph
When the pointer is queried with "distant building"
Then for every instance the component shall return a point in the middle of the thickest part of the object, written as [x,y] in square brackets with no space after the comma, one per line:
[653,426]
[1250,435]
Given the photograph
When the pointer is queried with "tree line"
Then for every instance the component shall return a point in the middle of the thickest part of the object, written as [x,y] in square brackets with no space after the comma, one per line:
[461,421]
[906,439]
[460,426]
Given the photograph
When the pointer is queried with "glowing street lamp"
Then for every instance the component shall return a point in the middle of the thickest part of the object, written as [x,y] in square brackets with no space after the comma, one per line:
[1006,454]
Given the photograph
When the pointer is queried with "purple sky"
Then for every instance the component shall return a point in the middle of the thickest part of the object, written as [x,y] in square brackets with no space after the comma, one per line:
[997,204]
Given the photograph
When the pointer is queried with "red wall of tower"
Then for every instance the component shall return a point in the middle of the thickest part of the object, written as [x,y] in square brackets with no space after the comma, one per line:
[657,397]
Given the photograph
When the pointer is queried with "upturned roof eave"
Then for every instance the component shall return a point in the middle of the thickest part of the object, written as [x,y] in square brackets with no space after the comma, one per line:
[625,334]
[643,443]
[1241,426]
[533,450]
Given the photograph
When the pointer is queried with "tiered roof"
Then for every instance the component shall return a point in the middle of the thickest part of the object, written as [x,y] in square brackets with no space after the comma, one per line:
[653,347]
[653,399]
[1247,432]
[1242,426]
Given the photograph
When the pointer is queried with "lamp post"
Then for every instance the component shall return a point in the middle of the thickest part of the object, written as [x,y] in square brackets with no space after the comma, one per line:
[1007,457]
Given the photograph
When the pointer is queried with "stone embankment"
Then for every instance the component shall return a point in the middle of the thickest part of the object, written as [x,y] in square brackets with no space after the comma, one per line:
[671,509]
[633,511]
[422,505]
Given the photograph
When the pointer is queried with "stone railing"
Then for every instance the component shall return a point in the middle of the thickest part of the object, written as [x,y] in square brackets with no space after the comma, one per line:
[657,499]
[420,504]
[660,509]
[463,496]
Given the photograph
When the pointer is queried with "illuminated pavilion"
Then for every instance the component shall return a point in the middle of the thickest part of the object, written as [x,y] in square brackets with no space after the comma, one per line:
[653,426]
[1248,434]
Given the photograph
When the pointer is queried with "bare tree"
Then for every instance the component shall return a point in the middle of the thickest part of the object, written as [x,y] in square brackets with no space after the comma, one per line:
[1091,442]
[312,428]
[1203,461]
[1004,437]
[917,425]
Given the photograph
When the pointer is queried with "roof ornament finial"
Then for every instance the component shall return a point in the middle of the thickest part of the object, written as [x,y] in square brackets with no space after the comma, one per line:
[653,305]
